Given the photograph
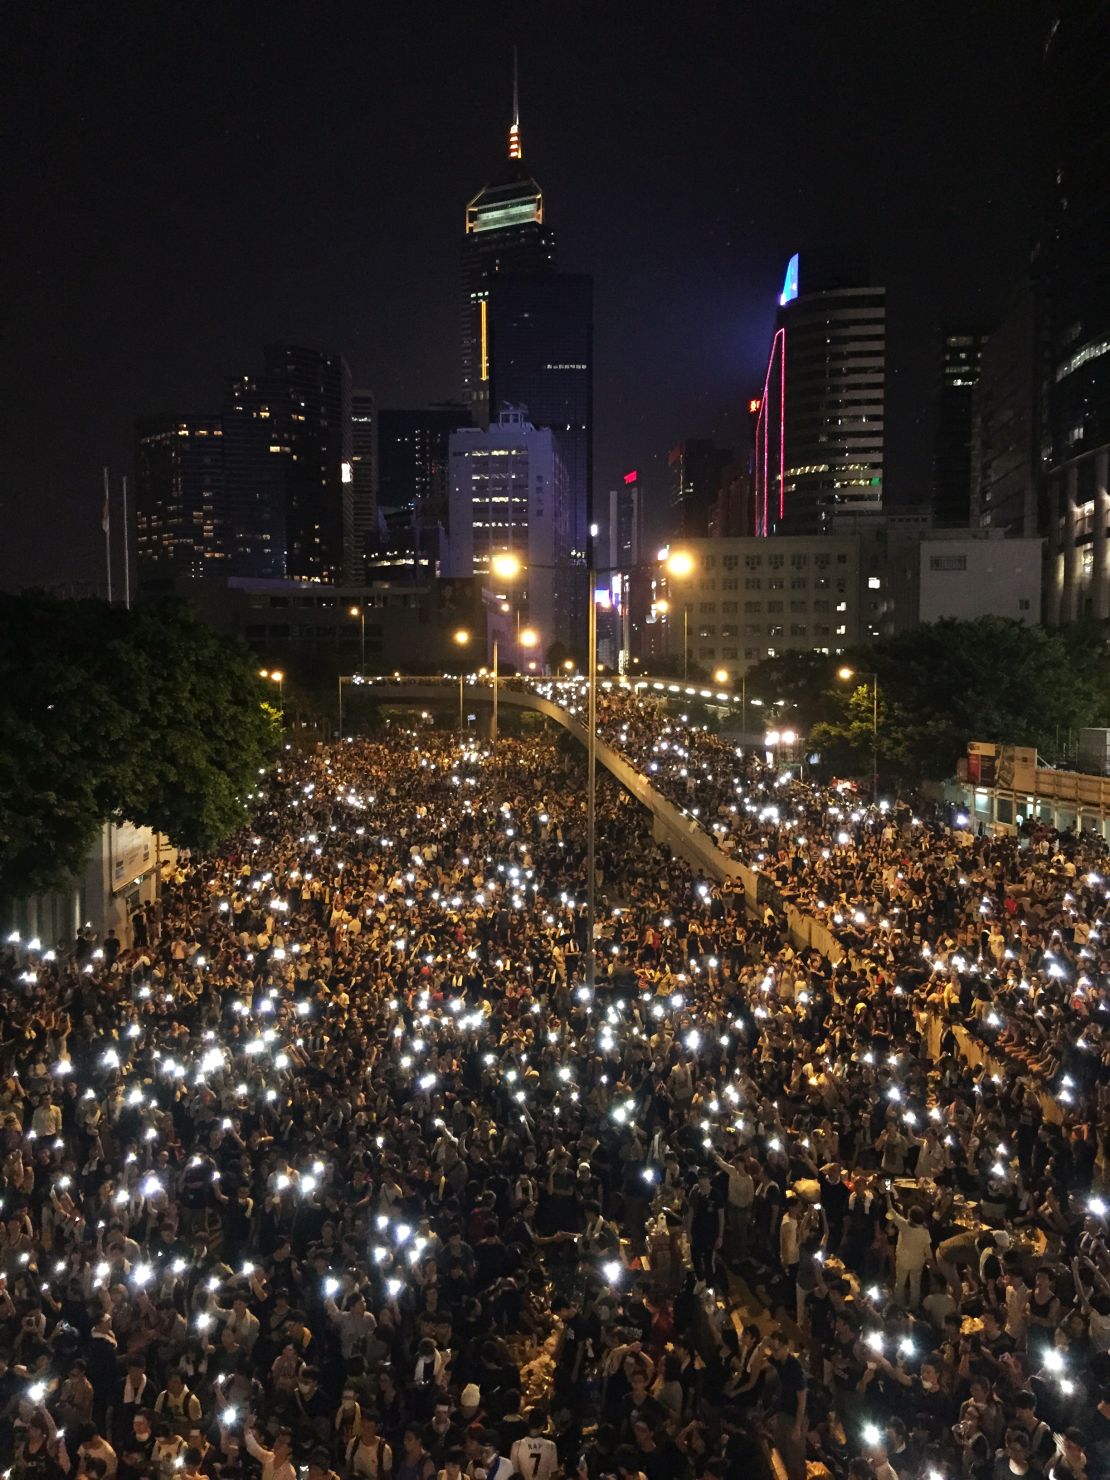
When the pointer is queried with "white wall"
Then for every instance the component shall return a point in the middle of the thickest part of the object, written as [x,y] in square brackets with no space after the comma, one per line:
[995,578]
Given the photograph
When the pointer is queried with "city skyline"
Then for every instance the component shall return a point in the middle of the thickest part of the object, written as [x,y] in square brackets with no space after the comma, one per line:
[193,259]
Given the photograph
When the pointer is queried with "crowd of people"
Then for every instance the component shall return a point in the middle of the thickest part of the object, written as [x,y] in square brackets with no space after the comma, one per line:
[338,1164]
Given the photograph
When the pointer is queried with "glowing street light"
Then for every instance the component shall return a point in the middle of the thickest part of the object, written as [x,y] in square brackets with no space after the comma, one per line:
[681,565]
[275,675]
[460,637]
[505,565]
[847,674]
[360,613]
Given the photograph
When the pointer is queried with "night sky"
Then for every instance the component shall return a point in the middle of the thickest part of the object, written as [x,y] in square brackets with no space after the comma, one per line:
[184,183]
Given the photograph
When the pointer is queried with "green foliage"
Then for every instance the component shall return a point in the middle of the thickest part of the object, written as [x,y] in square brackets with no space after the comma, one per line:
[950,682]
[144,715]
[802,680]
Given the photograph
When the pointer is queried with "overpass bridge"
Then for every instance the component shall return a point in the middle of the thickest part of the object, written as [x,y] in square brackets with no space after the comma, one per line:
[562,702]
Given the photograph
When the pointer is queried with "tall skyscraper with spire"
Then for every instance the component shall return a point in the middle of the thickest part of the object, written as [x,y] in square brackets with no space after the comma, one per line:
[506,234]
[528,339]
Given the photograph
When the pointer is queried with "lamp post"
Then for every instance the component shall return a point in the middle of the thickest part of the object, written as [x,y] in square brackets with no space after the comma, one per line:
[360,613]
[462,637]
[723,676]
[850,673]
[493,722]
[528,638]
[506,567]
[681,564]
[275,675]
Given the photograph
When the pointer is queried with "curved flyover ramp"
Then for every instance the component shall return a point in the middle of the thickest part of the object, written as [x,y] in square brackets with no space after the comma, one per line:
[683,833]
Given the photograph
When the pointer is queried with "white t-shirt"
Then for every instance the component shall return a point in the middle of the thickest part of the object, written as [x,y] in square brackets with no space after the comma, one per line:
[535,1458]
[369,1461]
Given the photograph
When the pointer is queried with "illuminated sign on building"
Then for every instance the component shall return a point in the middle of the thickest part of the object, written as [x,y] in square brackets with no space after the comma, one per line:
[753,405]
[631,477]
[790,282]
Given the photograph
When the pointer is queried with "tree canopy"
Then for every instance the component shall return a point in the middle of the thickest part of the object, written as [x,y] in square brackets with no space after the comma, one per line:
[145,715]
[950,682]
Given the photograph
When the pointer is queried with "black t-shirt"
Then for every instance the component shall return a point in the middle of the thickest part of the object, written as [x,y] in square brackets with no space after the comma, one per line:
[792,1381]
[745,1457]
[705,1209]
[649,1409]
[664,1462]
[834,1197]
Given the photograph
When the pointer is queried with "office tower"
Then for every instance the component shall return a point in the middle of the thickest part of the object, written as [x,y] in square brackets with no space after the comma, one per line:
[180,511]
[1004,429]
[628,580]
[360,492]
[541,359]
[508,491]
[1074,277]
[287,436]
[626,524]
[732,512]
[953,430]
[506,234]
[819,429]
[745,599]
[697,467]
[412,460]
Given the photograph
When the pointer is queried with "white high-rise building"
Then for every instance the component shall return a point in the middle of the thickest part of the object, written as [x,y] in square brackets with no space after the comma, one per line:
[508,493]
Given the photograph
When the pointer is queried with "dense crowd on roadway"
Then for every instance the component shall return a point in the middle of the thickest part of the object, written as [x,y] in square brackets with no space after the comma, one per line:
[336,1165]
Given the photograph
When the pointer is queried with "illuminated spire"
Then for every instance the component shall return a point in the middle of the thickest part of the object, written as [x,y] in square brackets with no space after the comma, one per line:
[514,127]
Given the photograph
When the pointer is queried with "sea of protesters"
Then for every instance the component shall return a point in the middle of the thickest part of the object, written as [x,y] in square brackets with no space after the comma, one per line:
[341,1161]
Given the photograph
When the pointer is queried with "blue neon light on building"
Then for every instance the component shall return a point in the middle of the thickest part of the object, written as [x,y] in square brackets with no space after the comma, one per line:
[790,282]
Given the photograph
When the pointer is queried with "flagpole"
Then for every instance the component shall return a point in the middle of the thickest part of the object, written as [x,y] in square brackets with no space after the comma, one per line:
[126,557]
[106,525]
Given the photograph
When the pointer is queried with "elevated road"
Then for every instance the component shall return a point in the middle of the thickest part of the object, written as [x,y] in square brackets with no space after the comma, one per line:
[672,825]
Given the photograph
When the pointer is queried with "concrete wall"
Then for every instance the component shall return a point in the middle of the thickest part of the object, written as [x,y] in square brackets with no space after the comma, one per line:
[968,578]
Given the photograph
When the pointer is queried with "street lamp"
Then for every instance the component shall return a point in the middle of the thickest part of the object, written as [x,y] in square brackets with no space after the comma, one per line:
[275,675]
[461,638]
[847,673]
[681,565]
[505,565]
[360,613]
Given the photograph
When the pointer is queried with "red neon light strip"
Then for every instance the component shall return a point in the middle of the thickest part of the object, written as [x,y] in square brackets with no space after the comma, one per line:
[760,423]
[782,425]
[765,469]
